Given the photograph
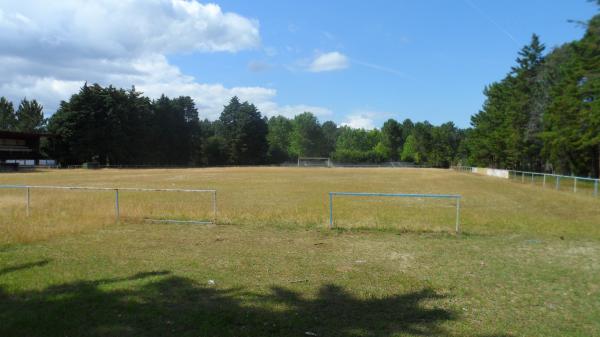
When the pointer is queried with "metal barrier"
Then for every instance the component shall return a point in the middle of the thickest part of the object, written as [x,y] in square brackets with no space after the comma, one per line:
[544,179]
[401,195]
[28,189]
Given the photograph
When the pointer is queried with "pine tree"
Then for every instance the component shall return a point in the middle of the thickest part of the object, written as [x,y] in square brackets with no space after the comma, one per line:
[30,116]
[8,119]
[245,132]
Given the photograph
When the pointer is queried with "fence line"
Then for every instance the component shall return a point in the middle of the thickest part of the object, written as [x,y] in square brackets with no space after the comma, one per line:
[28,189]
[401,195]
[545,179]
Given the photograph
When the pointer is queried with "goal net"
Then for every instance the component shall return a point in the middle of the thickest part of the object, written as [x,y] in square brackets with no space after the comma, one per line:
[314,162]
[102,205]
[419,212]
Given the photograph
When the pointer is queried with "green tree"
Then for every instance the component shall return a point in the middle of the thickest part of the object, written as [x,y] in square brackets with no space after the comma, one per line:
[280,130]
[358,145]
[307,136]
[391,139]
[174,125]
[409,152]
[523,115]
[423,141]
[8,119]
[407,128]
[561,135]
[330,133]
[105,124]
[589,89]
[506,129]
[444,145]
[30,116]
[245,132]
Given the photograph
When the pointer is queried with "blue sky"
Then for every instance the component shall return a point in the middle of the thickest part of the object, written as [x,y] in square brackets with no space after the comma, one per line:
[353,62]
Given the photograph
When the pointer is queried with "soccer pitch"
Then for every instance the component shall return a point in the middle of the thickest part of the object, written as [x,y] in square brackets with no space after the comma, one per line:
[527,261]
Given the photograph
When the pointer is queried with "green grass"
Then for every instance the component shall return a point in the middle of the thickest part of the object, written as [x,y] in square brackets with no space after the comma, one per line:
[527,263]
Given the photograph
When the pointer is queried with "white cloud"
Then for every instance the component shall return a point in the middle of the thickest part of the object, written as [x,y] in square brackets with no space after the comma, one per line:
[359,121]
[366,118]
[49,49]
[273,109]
[115,28]
[328,62]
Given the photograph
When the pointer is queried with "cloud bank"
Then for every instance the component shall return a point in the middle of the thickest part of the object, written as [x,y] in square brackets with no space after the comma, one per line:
[359,121]
[48,49]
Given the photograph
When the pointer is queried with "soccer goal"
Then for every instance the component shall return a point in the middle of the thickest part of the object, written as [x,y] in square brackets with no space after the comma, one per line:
[149,204]
[314,162]
[455,197]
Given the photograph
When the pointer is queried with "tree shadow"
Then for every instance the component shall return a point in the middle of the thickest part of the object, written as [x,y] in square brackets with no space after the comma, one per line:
[11,269]
[160,304]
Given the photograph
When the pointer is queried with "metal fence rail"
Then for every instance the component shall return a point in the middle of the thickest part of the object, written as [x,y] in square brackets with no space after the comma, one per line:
[401,195]
[546,180]
[28,189]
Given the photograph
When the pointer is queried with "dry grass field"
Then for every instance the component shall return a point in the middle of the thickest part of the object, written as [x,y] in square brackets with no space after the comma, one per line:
[526,264]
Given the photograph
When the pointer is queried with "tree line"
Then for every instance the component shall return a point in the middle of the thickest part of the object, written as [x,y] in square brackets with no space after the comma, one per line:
[28,117]
[545,114]
[114,126]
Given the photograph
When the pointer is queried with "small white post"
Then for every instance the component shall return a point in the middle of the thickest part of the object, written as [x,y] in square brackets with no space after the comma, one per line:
[215,207]
[457,215]
[330,210]
[575,185]
[28,199]
[117,215]
[544,183]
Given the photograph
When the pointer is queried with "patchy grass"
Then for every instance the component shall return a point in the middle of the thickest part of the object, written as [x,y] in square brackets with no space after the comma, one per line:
[527,263]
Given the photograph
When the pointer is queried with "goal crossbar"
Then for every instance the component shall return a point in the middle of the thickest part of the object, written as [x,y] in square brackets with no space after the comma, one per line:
[327,160]
[457,197]
[28,188]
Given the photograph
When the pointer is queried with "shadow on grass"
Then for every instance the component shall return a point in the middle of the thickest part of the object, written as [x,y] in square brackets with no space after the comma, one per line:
[160,304]
[23,266]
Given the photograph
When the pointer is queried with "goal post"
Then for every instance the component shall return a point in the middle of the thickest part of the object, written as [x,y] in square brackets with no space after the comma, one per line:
[314,161]
[456,197]
[117,197]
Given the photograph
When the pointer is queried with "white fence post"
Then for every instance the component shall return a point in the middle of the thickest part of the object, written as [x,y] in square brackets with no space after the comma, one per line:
[215,206]
[457,215]
[544,183]
[28,199]
[117,213]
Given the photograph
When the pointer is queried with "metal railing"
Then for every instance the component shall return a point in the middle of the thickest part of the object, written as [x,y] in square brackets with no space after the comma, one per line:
[28,189]
[401,195]
[556,181]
